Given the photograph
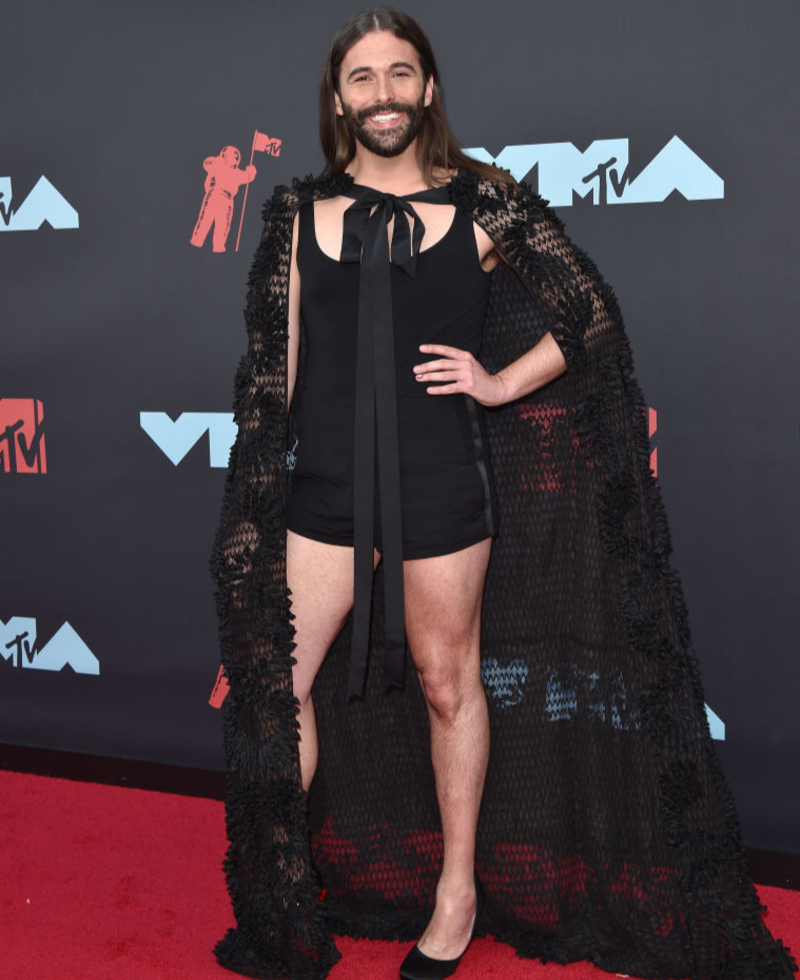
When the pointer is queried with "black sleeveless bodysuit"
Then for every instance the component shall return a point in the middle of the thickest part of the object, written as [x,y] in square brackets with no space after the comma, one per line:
[447,494]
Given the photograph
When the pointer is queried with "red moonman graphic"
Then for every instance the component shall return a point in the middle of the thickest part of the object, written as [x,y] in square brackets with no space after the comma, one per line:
[652,417]
[222,184]
[22,436]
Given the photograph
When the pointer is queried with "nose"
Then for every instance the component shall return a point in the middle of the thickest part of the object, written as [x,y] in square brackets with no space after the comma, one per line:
[384,92]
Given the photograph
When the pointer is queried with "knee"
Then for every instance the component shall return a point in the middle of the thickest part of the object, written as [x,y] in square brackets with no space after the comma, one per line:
[448,689]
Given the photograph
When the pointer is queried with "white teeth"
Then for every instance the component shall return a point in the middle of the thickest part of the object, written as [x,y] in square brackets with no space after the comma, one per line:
[386,118]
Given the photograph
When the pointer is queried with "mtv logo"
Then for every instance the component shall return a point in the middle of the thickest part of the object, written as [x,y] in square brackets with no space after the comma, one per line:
[266,144]
[22,448]
[44,203]
[175,439]
[602,173]
[19,645]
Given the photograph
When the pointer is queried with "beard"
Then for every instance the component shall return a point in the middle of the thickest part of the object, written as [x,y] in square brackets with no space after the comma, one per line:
[385,142]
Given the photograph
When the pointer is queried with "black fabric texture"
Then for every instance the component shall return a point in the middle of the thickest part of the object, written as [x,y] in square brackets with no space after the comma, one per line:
[607,829]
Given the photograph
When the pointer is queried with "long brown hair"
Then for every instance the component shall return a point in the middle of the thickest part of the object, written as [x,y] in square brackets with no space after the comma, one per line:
[436,144]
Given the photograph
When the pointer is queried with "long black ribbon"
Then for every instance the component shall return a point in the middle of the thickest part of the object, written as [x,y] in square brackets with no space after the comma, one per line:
[365,239]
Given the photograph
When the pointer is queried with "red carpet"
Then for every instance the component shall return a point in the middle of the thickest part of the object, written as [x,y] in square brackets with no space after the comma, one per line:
[105,883]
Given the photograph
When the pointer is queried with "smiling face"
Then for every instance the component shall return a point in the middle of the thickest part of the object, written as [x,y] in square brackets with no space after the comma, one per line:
[382,93]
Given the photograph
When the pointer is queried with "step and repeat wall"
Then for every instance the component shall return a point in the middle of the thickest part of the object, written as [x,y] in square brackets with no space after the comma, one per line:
[139,141]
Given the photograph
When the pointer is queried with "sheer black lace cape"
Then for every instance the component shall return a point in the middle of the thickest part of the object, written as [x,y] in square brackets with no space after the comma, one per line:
[607,829]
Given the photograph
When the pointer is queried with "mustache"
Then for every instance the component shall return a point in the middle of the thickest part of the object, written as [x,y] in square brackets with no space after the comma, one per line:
[363,114]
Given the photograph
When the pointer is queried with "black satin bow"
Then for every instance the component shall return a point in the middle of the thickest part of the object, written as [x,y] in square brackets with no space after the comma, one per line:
[365,239]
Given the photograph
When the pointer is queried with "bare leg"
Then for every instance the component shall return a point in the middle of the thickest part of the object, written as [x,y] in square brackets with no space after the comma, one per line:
[320,577]
[443,608]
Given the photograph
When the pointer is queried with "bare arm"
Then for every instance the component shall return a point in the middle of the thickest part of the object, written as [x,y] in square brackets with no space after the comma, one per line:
[534,369]
[542,363]
[538,366]
[294,319]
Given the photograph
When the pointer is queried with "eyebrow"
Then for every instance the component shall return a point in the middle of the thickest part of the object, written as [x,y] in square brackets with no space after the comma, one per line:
[394,64]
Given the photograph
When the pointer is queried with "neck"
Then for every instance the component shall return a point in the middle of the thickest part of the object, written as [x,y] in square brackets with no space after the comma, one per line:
[393,175]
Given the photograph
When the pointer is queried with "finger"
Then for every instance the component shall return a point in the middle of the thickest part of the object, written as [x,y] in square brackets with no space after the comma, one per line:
[443,365]
[444,389]
[441,376]
[443,349]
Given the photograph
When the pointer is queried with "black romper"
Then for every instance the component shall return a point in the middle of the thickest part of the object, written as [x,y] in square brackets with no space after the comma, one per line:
[447,493]
[378,460]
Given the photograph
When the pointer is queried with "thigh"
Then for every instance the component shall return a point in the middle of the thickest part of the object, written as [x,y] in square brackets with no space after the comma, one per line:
[320,579]
[443,598]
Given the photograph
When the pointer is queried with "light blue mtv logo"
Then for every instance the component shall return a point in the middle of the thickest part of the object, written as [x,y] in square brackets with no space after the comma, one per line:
[567,697]
[176,438]
[569,694]
[20,646]
[44,203]
[602,173]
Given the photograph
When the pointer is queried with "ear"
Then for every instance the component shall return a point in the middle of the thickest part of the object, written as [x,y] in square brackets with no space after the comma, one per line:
[428,92]
[337,102]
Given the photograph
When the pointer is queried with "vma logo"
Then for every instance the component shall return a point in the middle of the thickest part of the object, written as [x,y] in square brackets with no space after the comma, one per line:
[602,172]
[175,439]
[224,177]
[43,203]
[19,646]
[22,436]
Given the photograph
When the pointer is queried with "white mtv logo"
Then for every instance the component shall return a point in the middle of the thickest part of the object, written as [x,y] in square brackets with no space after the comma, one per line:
[176,438]
[601,171]
[44,203]
[18,643]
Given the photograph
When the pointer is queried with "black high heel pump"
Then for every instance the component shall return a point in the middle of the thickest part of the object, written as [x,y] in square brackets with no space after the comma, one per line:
[418,966]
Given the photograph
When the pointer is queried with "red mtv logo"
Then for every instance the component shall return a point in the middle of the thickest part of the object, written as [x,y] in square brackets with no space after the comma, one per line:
[22,436]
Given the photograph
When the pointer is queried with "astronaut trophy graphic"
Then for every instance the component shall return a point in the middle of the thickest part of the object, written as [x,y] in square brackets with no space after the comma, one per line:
[224,177]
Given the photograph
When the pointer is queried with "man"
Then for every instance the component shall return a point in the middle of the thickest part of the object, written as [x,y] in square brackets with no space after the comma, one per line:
[574,627]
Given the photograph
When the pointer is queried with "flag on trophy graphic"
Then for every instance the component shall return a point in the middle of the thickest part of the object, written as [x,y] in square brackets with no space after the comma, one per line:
[224,177]
[261,144]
